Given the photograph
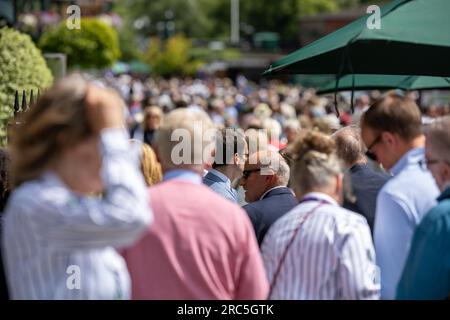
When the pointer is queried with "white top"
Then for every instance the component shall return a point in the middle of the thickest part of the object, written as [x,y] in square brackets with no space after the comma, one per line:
[332,256]
[59,245]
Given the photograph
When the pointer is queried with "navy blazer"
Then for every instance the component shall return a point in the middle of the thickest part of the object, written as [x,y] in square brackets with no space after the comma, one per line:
[265,212]
[220,186]
[366,183]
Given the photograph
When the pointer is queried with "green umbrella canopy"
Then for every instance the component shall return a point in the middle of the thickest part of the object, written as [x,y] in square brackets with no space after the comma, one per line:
[139,67]
[119,67]
[414,39]
[312,80]
[377,81]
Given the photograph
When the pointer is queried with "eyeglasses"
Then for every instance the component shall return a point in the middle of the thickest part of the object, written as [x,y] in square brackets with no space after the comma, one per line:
[427,163]
[246,173]
[369,153]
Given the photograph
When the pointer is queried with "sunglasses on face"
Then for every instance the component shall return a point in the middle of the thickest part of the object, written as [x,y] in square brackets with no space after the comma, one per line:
[371,155]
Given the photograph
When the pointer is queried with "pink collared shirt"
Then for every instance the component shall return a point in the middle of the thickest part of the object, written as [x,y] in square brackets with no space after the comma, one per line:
[200,246]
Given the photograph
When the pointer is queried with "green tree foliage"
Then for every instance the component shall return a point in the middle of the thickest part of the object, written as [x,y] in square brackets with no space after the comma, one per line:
[94,45]
[211,18]
[22,67]
[280,16]
[188,16]
[172,57]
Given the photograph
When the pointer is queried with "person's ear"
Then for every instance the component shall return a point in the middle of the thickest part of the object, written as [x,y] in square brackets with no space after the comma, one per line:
[269,179]
[445,172]
[389,138]
[237,159]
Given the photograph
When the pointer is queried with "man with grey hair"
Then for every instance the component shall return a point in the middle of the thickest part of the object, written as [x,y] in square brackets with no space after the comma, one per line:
[265,180]
[365,182]
[291,129]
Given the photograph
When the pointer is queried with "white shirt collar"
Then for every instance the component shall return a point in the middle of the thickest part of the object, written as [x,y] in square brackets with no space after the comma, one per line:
[265,193]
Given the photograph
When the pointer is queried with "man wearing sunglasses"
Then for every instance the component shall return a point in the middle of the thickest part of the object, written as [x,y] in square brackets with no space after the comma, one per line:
[264,180]
[392,131]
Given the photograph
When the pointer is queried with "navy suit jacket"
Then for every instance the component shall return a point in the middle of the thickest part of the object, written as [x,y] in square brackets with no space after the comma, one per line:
[366,183]
[265,212]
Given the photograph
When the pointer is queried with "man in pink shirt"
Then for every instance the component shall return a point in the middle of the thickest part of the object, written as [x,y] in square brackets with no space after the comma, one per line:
[200,245]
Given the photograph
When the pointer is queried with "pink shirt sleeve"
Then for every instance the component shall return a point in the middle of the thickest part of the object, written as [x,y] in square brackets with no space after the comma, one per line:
[252,283]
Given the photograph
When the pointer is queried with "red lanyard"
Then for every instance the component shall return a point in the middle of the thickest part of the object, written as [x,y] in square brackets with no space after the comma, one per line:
[291,240]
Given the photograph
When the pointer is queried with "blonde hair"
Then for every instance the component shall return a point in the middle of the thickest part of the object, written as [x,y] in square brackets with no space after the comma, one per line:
[151,168]
[273,128]
[152,109]
[56,121]
[314,161]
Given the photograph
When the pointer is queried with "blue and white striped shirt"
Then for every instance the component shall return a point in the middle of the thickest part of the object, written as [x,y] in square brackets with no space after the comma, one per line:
[59,245]
[331,257]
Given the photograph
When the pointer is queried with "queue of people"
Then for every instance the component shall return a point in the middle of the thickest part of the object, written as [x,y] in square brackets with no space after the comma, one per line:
[223,191]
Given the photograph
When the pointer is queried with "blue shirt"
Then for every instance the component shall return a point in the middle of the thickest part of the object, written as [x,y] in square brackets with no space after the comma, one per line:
[427,270]
[183,174]
[401,205]
[221,184]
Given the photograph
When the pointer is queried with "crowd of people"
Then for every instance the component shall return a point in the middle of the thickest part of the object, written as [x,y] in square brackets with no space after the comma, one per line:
[121,188]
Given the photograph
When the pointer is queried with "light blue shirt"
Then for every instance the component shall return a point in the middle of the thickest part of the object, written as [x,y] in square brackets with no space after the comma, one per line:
[221,184]
[182,174]
[401,205]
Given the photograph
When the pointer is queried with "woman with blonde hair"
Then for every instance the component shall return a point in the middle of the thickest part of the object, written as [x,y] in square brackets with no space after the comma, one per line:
[319,250]
[150,167]
[59,240]
[153,118]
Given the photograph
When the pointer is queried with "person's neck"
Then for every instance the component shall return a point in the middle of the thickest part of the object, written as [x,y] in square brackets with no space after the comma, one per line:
[328,191]
[271,186]
[406,146]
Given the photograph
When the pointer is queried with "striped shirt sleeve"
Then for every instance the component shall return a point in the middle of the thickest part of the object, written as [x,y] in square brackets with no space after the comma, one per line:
[358,275]
[116,219]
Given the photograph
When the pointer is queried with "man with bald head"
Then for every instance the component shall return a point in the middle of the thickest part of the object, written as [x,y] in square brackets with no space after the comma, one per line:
[265,177]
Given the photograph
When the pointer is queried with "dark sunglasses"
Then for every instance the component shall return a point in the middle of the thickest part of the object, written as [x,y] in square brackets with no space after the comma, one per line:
[246,173]
[369,153]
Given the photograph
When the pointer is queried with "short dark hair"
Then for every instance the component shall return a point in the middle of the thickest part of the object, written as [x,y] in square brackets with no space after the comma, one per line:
[229,141]
[394,114]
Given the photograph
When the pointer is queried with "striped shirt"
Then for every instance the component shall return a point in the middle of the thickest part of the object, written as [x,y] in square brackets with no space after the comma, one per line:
[331,257]
[59,245]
